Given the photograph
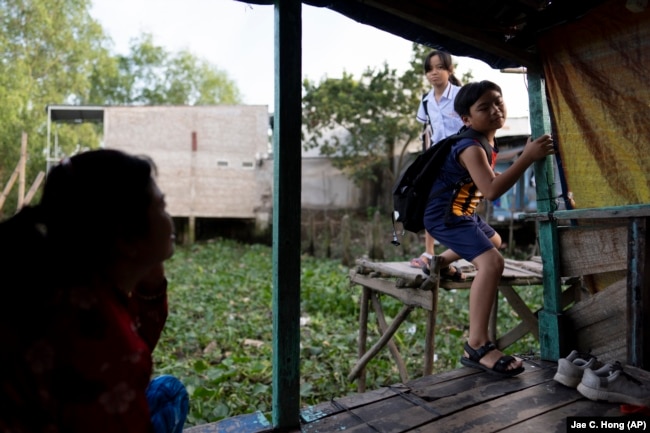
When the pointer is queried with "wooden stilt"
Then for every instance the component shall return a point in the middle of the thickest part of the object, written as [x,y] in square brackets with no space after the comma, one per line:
[363,335]
[394,326]
[383,327]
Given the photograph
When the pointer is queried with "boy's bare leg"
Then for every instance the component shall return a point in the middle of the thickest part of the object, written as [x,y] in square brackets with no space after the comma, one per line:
[482,295]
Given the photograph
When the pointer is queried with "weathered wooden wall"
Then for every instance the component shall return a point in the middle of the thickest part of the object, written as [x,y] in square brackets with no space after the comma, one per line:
[597,253]
[212,160]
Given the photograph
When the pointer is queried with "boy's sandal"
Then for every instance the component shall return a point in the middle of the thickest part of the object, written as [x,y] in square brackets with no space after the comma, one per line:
[452,273]
[500,368]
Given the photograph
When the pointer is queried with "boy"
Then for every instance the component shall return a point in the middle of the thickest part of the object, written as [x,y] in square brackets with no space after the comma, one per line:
[450,217]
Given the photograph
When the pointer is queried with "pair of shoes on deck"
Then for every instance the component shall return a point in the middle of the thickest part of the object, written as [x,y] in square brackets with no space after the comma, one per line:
[618,386]
[598,381]
[571,369]
[499,369]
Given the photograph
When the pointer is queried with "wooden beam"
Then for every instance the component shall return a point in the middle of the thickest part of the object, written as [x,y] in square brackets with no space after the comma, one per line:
[454,27]
[32,189]
[10,184]
[430,337]
[286,214]
[363,335]
[383,340]
[415,297]
[627,211]
[23,168]
[638,293]
[383,328]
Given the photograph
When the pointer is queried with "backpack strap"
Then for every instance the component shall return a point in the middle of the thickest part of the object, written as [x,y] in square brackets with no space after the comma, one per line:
[428,121]
[467,133]
[470,133]
[426,108]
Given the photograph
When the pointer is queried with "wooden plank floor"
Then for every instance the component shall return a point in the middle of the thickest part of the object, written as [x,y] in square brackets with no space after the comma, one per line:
[462,400]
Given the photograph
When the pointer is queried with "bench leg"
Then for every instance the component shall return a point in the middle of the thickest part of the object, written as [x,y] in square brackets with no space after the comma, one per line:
[397,321]
[430,338]
[383,327]
[363,335]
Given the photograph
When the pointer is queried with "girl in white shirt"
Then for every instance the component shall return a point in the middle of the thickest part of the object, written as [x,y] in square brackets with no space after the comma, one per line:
[436,112]
[436,109]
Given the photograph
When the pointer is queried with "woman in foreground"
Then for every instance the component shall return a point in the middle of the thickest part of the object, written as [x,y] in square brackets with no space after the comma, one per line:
[84,301]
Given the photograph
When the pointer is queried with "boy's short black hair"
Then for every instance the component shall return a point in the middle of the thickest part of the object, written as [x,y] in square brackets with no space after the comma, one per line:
[470,93]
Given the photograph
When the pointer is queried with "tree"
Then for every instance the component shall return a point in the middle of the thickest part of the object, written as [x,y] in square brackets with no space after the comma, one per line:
[48,50]
[53,52]
[360,123]
[363,124]
[150,75]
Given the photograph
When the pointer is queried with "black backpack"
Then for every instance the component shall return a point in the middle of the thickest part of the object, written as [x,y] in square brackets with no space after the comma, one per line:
[411,191]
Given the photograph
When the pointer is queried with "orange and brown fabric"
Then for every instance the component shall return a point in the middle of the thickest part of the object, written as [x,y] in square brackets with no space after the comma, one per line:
[597,73]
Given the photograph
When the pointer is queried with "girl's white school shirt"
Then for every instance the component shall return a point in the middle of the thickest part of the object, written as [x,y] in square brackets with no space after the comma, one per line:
[444,120]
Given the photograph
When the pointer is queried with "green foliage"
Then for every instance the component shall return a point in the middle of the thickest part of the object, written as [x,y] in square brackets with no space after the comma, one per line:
[218,336]
[362,124]
[53,53]
[48,49]
[150,75]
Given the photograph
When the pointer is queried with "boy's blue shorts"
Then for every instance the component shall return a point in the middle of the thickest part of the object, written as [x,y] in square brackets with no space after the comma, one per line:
[468,237]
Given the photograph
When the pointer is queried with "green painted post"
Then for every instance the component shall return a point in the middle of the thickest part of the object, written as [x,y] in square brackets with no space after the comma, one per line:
[549,317]
[286,214]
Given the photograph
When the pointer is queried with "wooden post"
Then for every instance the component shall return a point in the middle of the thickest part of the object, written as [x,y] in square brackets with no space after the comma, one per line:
[383,327]
[23,167]
[346,254]
[311,248]
[327,234]
[376,239]
[430,337]
[549,316]
[287,173]
[32,189]
[383,340]
[9,185]
[638,293]
[191,230]
[191,220]
[363,335]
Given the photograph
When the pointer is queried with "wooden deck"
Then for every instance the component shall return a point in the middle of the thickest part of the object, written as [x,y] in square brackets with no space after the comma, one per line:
[462,400]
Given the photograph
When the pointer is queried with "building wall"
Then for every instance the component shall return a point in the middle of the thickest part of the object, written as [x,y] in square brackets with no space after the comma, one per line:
[326,187]
[212,160]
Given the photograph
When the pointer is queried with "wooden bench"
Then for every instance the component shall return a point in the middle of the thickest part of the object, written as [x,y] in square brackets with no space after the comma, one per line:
[416,290]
